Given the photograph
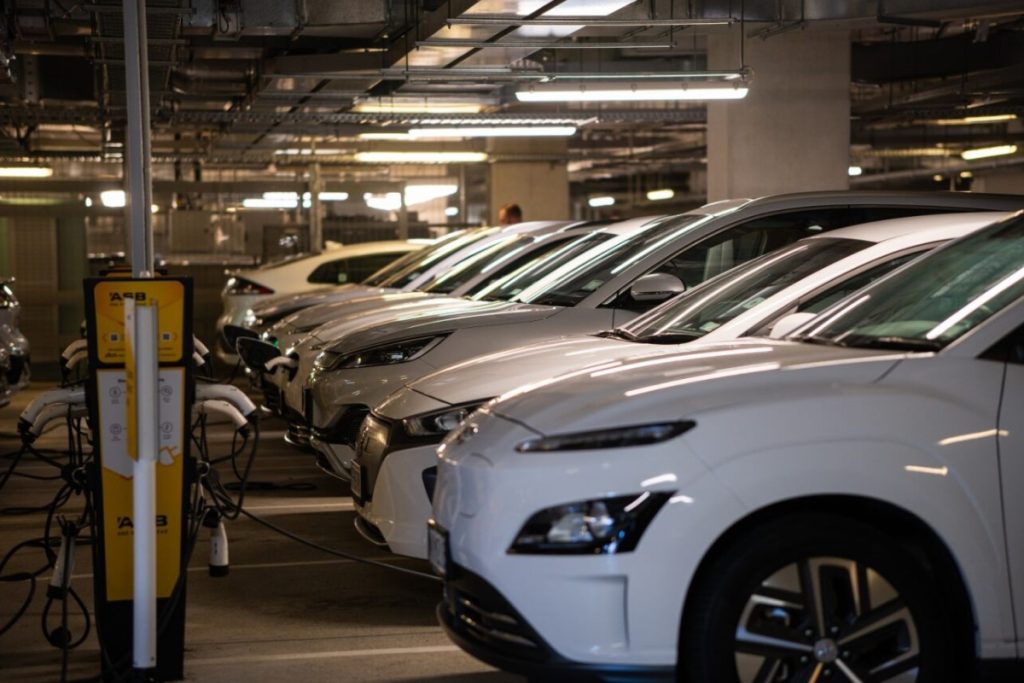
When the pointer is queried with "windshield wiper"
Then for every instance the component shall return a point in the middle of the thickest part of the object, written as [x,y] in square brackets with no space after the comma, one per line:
[808,339]
[897,343]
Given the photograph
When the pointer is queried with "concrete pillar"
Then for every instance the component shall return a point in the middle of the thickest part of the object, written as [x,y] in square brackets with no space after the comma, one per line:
[792,131]
[540,187]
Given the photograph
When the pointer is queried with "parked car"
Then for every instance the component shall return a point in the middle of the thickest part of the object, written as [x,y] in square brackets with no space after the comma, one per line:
[488,283]
[840,505]
[358,366]
[452,266]
[349,263]
[395,465]
[17,369]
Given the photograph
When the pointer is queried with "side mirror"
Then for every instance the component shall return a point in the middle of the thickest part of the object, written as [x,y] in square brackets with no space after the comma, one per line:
[787,323]
[255,352]
[656,287]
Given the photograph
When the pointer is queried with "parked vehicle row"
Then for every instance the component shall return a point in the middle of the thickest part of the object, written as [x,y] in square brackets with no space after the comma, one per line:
[675,445]
[15,350]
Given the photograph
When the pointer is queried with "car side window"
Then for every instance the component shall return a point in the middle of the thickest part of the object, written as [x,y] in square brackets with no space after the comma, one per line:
[358,268]
[1009,349]
[329,273]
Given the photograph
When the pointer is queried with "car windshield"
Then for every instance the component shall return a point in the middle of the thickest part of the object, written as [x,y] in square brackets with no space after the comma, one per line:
[585,274]
[736,291]
[433,255]
[485,259]
[934,300]
[510,284]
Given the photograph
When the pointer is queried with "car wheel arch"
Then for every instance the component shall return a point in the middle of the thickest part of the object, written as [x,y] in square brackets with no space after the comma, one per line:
[884,516]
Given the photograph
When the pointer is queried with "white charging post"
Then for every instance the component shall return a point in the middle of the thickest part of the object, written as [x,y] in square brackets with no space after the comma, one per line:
[141,327]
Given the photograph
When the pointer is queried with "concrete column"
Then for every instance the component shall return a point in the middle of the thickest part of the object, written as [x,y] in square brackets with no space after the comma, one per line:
[540,187]
[792,131]
[1000,181]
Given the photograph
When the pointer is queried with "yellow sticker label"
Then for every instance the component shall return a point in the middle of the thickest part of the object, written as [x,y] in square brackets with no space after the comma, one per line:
[109,297]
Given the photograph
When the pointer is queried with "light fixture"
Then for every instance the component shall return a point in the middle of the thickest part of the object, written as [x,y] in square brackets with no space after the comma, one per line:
[263,203]
[854,171]
[985,152]
[154,208]
[493,132]
[333,196]
[25,171]
[659,195]
[414,106]
[937,178]
[451,211]
[282,196]
[966,174]
[597,202]
[616,91]
[420,157]
[88,202]
[384,136]
[113,199]
[971,120]
[295,151]
[417,194]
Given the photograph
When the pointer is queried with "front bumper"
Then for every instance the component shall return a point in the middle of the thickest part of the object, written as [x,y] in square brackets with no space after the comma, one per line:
[483,623]
[398,504]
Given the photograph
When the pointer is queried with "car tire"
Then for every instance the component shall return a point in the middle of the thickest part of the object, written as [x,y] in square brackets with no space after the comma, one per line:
[819,598]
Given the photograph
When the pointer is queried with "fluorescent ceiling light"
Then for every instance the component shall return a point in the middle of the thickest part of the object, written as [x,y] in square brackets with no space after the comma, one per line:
[658,195]
[88,202]
[333,196]
[493,132]
[610,91]
[966,174]
[417,194]
[451,211]
[417,106]
[985,152]
[853,171]
[296,151]
[283,196]
[937,177]
[385,136]
[969,120]
[414,194]
[420,157]
[263,203]
[25,171]
[113,199]
[392,201]
[601,201]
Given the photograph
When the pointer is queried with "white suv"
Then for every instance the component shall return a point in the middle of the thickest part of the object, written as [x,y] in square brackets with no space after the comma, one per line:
[841,506]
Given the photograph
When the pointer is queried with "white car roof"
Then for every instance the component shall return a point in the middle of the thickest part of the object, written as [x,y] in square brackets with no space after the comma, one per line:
[926,228]
[299,268]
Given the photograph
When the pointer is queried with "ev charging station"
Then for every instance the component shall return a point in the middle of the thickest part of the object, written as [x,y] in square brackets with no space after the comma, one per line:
[139,394]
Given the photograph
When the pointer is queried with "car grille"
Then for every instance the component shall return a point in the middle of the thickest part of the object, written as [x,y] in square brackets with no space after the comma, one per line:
[19,365]
[478,612]
[345,429]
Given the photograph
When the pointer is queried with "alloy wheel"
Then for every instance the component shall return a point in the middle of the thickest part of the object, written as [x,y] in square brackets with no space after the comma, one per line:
[825,619]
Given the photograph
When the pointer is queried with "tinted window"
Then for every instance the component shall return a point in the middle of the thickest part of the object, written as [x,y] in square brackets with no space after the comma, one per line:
[935,300]
[696,313]
[435,254]
[329,273]
[362,267]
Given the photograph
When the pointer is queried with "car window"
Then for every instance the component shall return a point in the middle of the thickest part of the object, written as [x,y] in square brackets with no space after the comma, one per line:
[458,275]
[505,285]
[329,273]
[819,302]
[361,267]
[434,255]
[936,299]
[702,310]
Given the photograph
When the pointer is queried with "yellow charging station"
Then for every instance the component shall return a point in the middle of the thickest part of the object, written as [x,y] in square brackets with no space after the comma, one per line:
[112,412]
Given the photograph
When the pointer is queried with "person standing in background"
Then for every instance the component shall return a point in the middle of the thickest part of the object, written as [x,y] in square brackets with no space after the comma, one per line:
[510,214]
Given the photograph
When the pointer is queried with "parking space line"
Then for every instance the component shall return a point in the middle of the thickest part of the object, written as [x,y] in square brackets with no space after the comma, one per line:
[331,654]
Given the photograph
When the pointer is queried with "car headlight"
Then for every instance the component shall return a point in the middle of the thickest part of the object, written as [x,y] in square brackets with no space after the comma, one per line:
[606,525]
[619,437]
[439,422]
[385,354]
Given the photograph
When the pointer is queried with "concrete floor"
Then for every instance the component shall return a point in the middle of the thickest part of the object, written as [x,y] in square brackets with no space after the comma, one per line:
[285,612]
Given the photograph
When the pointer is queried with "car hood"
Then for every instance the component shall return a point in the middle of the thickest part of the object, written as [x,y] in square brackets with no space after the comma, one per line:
[443,319]
[485,377]
[679,384]
[348,303]
[281,304]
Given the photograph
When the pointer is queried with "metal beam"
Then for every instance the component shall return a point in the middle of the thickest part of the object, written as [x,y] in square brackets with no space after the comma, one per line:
[137,152]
